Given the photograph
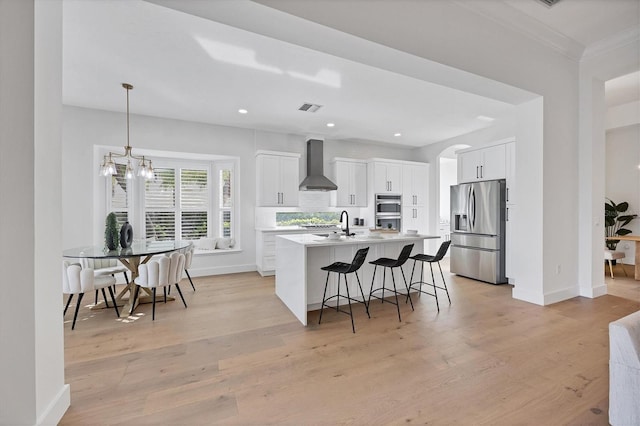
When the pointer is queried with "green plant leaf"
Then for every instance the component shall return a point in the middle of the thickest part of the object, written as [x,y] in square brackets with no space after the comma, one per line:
[609,221]
[623,231]
[622,207]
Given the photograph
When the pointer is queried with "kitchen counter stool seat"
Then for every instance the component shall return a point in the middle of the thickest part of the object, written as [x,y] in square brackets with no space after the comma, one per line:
[385,263]
[342,268]
[422,258]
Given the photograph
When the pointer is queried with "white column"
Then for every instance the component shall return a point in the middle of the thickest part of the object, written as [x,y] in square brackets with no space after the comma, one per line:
[32,389]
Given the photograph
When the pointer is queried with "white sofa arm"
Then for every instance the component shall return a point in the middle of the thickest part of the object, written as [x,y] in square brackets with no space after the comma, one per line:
[624,370]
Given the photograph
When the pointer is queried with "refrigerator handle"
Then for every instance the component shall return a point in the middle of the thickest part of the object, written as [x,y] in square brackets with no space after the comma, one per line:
[473,209]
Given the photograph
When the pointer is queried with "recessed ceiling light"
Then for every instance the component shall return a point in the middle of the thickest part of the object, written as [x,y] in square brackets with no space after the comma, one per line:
[485,118]
[397,135]
[242,111]
[330,124]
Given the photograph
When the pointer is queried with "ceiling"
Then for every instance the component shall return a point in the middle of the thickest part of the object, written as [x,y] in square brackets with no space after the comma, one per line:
[622,90]
[585,21]
[190,68]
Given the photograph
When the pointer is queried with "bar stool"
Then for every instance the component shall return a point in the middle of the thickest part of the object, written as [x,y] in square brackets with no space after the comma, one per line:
[422,258]
[391,263]
[344,269]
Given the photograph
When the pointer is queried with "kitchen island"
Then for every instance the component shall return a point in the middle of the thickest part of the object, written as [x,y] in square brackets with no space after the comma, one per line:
[300,281]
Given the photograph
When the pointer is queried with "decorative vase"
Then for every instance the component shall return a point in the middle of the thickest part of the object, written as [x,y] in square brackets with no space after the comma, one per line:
[111,232]
[126,235]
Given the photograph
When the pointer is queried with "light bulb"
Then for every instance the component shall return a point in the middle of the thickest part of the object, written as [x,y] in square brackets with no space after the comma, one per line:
[129,171]
[111,168]
[142,169]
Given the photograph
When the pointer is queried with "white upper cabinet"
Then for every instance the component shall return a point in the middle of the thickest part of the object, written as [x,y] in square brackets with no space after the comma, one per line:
[482,164]
[387,177]
[511,172]
[351,178]
[415,184]
[415,218]
[277,179]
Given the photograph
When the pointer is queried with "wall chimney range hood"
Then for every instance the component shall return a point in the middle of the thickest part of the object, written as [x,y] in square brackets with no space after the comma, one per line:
[315,180]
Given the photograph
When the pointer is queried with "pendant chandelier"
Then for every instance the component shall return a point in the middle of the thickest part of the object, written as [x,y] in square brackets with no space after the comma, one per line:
[108,166]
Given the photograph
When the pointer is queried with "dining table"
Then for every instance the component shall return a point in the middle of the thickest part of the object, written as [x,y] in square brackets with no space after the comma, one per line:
[635,238]
[132,257]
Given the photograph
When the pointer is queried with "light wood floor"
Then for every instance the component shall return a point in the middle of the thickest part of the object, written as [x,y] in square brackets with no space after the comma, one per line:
[237,356]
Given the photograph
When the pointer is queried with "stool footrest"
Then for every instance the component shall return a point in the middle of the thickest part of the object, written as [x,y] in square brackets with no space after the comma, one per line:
[427,283]
[390,290]
[335,296]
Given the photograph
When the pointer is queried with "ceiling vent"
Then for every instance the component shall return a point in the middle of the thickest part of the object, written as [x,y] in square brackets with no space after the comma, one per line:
[309,107]
[549,3]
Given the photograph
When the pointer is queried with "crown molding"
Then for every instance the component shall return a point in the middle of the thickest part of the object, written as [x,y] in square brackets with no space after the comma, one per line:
[522,23]
[630,35]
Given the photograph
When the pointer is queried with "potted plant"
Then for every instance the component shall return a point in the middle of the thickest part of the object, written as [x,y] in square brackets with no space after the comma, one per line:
[615,221]
[111,234]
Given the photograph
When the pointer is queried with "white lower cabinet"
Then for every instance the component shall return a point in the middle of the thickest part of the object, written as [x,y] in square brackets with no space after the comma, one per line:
[266,249]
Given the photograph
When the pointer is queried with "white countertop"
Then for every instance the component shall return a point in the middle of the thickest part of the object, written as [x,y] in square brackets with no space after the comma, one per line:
[286,229]
[314,240]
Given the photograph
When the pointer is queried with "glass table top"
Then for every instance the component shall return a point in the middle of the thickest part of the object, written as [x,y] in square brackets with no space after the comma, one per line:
[138,248]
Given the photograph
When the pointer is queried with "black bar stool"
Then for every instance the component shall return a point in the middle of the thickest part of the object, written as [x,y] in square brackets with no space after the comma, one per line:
[385,262]
[422,258]
[345,268]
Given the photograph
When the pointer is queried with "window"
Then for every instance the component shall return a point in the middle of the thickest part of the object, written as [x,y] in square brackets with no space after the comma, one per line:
[186,200]
[119,200]
[225,200]
[160,205]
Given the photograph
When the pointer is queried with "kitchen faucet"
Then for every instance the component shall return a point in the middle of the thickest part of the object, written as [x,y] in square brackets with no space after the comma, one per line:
[346,231]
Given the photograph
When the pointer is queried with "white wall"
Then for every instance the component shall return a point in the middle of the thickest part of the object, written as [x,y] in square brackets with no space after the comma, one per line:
[448,176]
[83,190]
[594,71]
[487,49]
[32,389]
[622,177]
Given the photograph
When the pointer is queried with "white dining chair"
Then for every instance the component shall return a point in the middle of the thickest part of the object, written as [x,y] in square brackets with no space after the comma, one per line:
[163,272]
[188,256]
[78,280]
[105,267]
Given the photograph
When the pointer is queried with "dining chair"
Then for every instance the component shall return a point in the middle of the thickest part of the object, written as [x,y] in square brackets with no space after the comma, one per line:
[78,280]
[163,272]
[105,267]
[188,256]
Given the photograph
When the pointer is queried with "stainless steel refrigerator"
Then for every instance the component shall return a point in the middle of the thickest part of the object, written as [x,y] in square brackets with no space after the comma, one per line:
[478,230]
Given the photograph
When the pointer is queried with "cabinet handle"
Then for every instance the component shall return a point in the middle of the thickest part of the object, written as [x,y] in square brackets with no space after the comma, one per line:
[507,214]
[477,174]
[507,194]
[390,186]
[481,172]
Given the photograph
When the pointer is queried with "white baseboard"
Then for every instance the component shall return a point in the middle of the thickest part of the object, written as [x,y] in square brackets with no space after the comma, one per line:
[593,292]
[220,270]
[203,272]
[527,296]
[56,409]
[560,295]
